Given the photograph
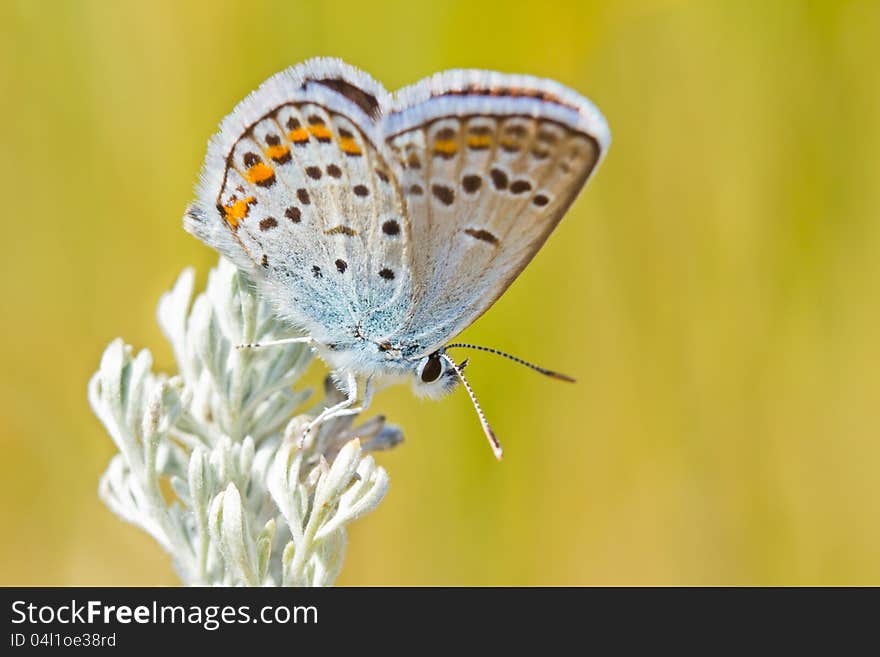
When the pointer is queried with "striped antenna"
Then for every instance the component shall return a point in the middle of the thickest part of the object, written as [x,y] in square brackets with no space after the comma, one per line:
[490,435]
[532,366]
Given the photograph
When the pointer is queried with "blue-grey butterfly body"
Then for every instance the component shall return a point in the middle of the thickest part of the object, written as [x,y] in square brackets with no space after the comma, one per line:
[383,225]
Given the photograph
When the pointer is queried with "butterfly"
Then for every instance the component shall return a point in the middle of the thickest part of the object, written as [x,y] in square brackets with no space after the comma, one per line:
[382,225]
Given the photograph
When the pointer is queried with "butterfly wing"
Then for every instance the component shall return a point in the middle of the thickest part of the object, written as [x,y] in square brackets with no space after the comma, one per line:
[296,191]
[489,164]
[396,220]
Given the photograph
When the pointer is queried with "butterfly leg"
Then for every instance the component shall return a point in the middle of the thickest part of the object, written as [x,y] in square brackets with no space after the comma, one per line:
[275,343]
[344,407]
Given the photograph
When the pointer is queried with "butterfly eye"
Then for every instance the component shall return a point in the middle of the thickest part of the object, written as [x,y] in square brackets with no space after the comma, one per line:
[430,369]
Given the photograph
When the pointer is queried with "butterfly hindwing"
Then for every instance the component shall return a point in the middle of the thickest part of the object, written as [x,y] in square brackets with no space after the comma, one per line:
[488,164]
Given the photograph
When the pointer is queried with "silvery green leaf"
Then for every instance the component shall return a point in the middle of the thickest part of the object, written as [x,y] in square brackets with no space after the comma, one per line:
[119,492]
[223,292]
[136,387]
[283,484]
[246,457]
[172,313]
[359,499]
[199,478]
[286,562]
[337,479]
[152,416]
[223,434]
[328,558]
[264,548]
[229,531]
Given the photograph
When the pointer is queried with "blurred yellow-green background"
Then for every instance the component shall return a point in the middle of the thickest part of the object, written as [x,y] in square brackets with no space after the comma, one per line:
[716,289]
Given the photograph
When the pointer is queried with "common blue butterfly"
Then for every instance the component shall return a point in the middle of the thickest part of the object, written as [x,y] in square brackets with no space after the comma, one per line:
[382,225]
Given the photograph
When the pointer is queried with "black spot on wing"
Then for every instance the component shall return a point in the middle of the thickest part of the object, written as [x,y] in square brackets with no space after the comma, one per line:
[294,214]
[481,234]
[471,183]
[520,186]
[443,194]
[499,179]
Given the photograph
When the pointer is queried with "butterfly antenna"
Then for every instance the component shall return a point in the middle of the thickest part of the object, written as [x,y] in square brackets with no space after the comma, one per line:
[531,366]
[490,435]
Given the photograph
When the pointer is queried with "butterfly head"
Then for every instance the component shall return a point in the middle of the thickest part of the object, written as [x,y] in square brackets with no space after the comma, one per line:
[434,375]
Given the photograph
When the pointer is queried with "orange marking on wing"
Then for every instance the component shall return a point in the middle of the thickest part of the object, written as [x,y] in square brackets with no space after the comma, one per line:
[298,136]
[237,211]
[479,141]
[277,152]
[447,146]
[349,145]
[319,131]
[259,173]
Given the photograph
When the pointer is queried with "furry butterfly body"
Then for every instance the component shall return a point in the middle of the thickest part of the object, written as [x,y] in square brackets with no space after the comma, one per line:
[383,225]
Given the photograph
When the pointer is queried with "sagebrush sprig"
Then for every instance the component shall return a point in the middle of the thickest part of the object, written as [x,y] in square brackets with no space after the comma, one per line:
[208,461]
